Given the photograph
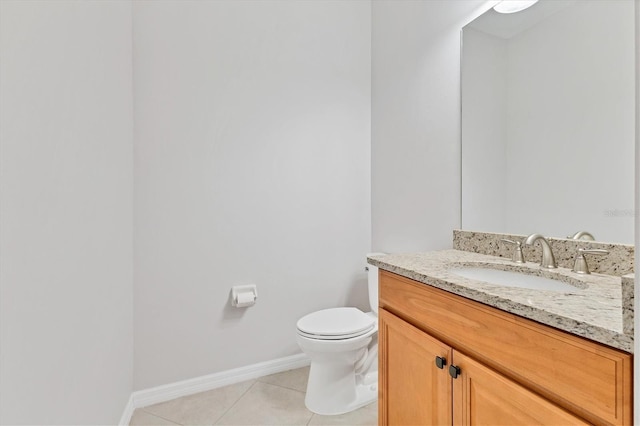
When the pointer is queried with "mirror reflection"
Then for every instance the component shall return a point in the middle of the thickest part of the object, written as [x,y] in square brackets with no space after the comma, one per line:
[548,107]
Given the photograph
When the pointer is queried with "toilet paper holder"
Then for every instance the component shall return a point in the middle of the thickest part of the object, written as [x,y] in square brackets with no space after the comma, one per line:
[243,296]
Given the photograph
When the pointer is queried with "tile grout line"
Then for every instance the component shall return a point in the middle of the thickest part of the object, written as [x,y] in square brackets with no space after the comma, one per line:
[279,386]
[215,422]
[283,387]
[268,384]
[291,389]
[160,417]
[311,418]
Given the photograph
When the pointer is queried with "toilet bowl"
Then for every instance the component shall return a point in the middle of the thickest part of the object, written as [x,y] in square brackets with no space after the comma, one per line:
[343,346]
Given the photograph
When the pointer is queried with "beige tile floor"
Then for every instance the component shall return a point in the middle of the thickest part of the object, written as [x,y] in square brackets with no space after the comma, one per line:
[277,399]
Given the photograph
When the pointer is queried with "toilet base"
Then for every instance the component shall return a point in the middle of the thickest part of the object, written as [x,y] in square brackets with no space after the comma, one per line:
[340,393]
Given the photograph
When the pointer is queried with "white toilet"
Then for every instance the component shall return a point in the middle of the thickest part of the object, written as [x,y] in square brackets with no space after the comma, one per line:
[343,346]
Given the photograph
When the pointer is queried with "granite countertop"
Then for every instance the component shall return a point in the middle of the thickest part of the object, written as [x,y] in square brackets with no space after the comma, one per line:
[594,310]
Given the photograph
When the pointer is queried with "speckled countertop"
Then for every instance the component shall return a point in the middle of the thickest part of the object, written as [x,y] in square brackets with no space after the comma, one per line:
[594,310]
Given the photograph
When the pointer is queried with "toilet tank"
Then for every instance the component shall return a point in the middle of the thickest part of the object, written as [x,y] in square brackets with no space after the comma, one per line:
[372,279]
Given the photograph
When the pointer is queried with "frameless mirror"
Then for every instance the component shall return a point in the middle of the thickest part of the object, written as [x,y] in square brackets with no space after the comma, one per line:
[548,120]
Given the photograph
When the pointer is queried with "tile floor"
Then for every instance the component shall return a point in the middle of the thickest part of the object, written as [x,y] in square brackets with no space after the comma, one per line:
[277,399]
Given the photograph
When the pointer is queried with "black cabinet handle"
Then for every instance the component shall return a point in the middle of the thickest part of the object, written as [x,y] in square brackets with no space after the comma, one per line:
[440,362]
[454,371]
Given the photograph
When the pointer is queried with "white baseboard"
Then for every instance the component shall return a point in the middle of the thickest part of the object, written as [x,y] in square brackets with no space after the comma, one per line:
[128,412]
[145,397]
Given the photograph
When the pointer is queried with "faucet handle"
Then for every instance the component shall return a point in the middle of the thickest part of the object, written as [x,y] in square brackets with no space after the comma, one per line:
[580,264]
[517,255]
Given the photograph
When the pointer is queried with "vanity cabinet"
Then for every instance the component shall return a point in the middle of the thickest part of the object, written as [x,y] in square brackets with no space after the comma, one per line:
[420,392]
[510,370]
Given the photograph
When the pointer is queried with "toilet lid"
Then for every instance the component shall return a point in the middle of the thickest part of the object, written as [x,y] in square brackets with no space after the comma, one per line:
[336,323]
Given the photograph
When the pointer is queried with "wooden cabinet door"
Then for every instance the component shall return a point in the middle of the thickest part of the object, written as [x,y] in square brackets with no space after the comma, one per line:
[483,397]
[413,390]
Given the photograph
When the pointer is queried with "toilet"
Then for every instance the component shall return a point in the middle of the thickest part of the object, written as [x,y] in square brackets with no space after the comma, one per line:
[343,346]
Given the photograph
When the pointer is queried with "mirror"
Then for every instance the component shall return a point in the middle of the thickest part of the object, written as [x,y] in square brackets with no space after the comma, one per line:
[548,120]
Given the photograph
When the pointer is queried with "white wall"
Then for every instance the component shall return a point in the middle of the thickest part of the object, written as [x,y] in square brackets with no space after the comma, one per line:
[416,122]
[65,212]
[252,165]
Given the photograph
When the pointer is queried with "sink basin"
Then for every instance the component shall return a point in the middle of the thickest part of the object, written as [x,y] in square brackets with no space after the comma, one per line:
[512,279]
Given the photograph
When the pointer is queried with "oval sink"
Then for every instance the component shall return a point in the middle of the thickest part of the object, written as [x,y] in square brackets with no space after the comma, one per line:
[512,279]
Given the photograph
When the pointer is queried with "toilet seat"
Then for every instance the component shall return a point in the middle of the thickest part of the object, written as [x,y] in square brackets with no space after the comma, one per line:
[336,324]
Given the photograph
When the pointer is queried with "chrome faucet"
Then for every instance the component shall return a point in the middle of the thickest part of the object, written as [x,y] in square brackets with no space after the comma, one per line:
[517,255]
[548,260]
[582,235]
[580,263]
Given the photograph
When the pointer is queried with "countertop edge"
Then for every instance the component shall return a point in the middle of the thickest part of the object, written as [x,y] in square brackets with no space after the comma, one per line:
[621,341]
